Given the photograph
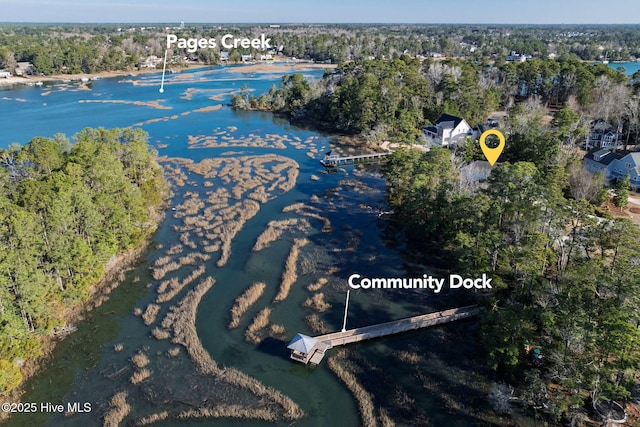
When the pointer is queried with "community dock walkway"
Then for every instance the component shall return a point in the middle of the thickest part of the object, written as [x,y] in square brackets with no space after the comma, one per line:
[307,349]
[332,161]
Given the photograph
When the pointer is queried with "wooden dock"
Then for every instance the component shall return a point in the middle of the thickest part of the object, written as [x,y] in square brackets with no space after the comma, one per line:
[333,161]
[317,346]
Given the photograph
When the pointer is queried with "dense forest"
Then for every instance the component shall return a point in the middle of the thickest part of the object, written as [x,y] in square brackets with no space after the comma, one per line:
[393,100]
[566,281]
[65,211]
[69,49]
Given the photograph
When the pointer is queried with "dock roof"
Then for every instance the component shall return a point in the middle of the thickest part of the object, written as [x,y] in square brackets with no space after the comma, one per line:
[302,343]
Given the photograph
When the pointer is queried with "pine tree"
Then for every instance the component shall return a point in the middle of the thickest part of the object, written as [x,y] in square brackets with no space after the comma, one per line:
[621,199]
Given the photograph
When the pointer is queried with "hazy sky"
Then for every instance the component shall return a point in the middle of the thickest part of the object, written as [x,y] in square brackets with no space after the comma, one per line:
[296,11]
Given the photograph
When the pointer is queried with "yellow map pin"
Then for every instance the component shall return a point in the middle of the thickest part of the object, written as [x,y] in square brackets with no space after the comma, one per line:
[492,154]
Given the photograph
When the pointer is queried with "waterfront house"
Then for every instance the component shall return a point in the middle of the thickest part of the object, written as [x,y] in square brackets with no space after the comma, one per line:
[603,135]
[4,74]
[152,61]
[224,56]
[448,130]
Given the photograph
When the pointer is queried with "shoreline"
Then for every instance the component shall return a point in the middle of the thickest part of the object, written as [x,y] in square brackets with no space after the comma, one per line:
[114,271]
[254,67]
[30,80]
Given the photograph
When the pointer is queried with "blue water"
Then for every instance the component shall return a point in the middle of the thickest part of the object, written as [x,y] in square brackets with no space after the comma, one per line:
[630,67]
[69,107]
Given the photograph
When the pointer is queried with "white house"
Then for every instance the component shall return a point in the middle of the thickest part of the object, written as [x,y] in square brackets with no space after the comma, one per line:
[4,74]
[448,130]
[152,61]
[516,57]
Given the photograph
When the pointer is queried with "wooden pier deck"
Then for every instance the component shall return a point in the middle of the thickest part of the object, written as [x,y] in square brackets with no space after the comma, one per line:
[325,342]
[333,161]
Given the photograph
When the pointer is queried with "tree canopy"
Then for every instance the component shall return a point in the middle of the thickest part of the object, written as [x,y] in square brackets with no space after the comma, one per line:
[67,209]
[564,281]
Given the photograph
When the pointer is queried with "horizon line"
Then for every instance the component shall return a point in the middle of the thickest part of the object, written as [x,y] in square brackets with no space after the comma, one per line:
[316,23]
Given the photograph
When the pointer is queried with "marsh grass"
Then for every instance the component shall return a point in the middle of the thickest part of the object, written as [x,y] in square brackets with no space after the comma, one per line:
[222,139]
[175,249]
[244,302]
[290,275]
[149,315]
[181,321]
[248,209]
[162,261]
[385,419]
[193,258]
[408,357]
[311,212]
[117,410]
[160,334]
[185,238]
[277,330]
[176,175]
[140,360]
[318,284]
[316,324]
[190,207]
[159,272]
[229,411]
[260,195]
[260,322]
[275,230]
[365,401]
[317,303]
[140,376]
[152,419]
[170,288]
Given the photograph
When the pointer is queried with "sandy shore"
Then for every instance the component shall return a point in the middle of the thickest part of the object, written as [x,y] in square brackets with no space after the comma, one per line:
[274,67]
[73,77]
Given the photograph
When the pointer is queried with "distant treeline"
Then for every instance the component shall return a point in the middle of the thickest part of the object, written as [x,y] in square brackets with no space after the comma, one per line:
[54,49]
[65,211]
[394,99]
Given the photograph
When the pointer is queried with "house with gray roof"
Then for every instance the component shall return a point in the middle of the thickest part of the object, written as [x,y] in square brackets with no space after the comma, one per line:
[603,135]
[599,159]
[614,165]
[627,165]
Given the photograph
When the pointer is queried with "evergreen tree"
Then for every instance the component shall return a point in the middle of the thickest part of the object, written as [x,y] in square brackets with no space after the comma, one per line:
[621,197]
